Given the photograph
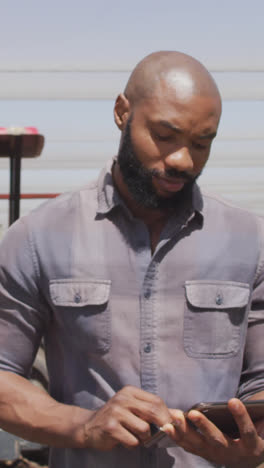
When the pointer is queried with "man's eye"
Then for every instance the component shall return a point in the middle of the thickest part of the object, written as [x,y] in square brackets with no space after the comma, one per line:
[199,146]
[159,137]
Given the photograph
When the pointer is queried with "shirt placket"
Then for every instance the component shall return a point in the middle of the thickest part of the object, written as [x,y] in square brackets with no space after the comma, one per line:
[149,313]
[148,323]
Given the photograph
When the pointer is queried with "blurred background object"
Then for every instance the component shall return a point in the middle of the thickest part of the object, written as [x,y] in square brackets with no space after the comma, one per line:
[17,143]
[64,62]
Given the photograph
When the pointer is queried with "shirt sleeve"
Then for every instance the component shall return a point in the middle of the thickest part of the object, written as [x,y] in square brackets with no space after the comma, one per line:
[252,377]
[23,317]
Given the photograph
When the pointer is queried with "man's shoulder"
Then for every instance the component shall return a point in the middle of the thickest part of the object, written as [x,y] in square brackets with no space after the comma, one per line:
[216,202]
[219,211]
[56,218]
[68,205]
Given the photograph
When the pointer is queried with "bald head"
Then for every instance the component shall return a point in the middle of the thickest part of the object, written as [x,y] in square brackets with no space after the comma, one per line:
[183,74]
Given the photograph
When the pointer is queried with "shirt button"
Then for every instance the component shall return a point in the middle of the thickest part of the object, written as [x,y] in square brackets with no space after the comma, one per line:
[147,294]
[147,348]
[77,298]
[219,299]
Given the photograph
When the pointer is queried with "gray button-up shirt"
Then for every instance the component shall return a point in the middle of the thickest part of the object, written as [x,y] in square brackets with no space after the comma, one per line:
[185,322]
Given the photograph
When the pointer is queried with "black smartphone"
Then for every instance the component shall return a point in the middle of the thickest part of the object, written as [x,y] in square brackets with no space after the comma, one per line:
[219,414]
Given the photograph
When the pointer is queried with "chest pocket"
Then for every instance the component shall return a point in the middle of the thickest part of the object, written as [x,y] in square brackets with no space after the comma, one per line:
[214,318]
[82,309]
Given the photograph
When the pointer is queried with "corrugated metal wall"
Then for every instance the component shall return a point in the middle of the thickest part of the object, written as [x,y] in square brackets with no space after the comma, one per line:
[63,63]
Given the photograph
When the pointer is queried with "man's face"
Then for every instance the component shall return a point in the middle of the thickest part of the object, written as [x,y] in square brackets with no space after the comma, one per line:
[165,146]
[138,178]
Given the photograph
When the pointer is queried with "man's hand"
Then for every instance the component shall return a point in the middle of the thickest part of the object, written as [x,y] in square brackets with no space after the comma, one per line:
[125,419]
[211,444]
[29,412]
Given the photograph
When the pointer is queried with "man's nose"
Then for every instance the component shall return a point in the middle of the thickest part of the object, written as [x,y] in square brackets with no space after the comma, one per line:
[180,160]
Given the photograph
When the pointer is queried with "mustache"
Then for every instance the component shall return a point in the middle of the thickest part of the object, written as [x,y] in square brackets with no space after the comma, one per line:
[173,173]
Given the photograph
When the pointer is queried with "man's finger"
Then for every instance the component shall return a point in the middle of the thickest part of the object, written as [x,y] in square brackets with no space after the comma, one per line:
[212,434]
[247,430]
[127,439]
[152,411]
[136,426]
[183,434]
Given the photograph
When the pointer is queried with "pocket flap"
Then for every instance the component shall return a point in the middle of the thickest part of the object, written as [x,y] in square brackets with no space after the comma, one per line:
[217,294]
[78,293]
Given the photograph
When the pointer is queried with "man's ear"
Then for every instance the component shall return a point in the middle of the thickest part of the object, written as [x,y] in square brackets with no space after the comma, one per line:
[121,111]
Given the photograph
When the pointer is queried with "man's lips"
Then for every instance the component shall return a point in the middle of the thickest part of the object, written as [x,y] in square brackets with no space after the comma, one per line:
[170,184]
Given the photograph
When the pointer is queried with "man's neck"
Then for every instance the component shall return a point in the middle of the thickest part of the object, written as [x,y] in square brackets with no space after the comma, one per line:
[155,220]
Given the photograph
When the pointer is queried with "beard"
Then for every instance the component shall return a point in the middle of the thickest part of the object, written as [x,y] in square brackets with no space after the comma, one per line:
[138,178]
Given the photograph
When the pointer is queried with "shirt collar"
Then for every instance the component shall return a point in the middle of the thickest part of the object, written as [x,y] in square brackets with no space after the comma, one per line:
[198,203]
[107,195]
[109,198]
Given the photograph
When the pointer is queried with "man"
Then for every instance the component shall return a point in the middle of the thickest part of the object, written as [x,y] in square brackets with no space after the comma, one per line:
[149,295]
